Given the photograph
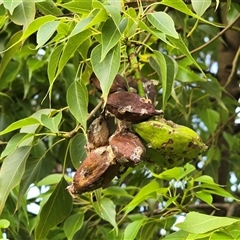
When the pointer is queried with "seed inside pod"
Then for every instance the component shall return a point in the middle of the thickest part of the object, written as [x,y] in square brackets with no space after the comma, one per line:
[130,107]
[127,147]
[98,134]
[98,169]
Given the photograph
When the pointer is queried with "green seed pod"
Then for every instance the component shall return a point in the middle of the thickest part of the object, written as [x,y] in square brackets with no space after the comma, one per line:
[171,141]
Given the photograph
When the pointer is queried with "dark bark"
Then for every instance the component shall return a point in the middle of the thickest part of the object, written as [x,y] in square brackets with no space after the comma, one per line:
[228,47]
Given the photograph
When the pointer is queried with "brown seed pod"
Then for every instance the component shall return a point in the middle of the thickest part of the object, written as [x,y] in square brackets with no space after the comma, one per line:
[98,169]
[98,134]
[119,84]
[130,107]
[127,148]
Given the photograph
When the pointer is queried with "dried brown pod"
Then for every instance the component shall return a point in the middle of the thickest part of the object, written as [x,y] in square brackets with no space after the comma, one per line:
[98,134]
[127,148]
[119,84]
[130,107]
[148,85]
[98,169]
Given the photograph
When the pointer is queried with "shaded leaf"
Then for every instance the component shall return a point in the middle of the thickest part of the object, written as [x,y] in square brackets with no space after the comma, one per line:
[210,118]
[166,71]
[54,211]
[72,224]
[77,100]
[48,7]
[107,211]
[110,64]
[77,149]
[132,229]
[11,172]
[50,179]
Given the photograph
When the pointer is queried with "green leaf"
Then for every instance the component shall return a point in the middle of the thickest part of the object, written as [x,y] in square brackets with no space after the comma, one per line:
[69,49]
[4,223]
[221,236]
[11,173]
[173,173]
[132,229]
[179,43]
[110,64]
[107,211]
[210,118]
[201,223]
[12,47]
[11,5]
[95,17]
[48,7]
[114,12]
[19,124]
[35,25]
[148,230]
[72,224]
[50,180]
[77,100]
[77,149]
[31,174]
[14,142]
[166,71]
[54,63]
[179,235]
[163,22]
[24,13]
[52,123]
[110,37]
[45,32]
[145,192]
[200,6]
[205,197]
[78,6]
[54,211]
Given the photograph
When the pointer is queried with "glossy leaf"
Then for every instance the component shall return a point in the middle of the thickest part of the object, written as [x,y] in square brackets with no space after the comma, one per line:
[72,224]
[107,211]
[110,64]
[132,229]
[163,22]
[11,172]
[14,142]
[110,37]
[77,99]
[205,197]
[77,150]
[201,223]
[52,123]
[54,211]
[19,124]
[24,13]
[166,71]
[143,194]
[45,32]
[200,6]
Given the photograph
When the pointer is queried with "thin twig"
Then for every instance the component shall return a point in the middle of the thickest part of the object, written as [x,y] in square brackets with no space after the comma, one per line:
[234,67]
[212,40]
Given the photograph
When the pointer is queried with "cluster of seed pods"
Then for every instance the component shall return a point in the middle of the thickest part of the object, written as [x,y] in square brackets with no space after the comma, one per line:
[109,156]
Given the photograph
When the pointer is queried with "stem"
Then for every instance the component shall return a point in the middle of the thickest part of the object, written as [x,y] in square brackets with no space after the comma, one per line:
[135,69]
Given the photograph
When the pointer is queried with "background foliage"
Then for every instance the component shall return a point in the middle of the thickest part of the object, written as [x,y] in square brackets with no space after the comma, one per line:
[48,53]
